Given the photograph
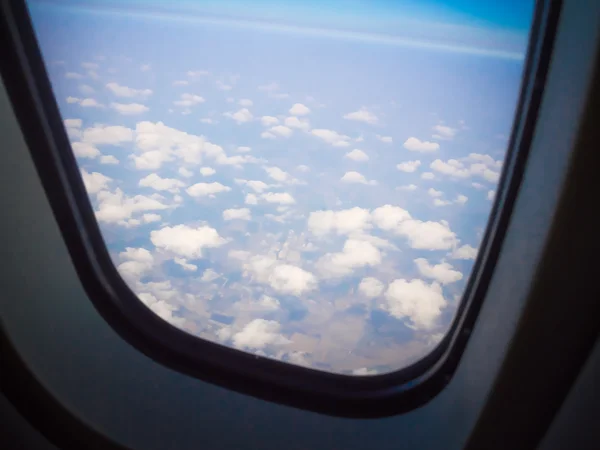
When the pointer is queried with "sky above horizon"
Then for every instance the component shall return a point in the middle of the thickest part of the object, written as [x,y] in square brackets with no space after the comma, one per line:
[307,181]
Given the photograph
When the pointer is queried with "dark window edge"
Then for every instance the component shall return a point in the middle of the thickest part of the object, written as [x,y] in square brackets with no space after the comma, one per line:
[24,74]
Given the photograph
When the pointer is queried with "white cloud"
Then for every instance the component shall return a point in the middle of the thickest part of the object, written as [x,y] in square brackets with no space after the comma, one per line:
[421,235]
[188,100]
[294,122]
[185,172]
[408,166]
[185,265]
[443,273]
[129,109]
[280,175]
[90,103]
[283,198]
[357,155]
[207,120]
[107,135]
[108,159]
[303,168]
[415,145]
[161,184]
[408,187]
[245,102]
[180,83]
[355,254]
[444,132]
[73,75]
[251,199]
[478,185]
[137,262]
[209,275]
[73,99]
[85,150]
[440,202]
[243,149]
[432,192]
[117,208]
[145,67]
[94,182]
[267,135]
[124,91]
[280,130]
[491,195]
[255,185]
[73,123]
[241,116]
[461,199]
[362,115]
[299,110]
[356,177]
[332,137]
[416,301]
[283,278]
[364,371]
[197,73]
[223,86]
[150,217]
[237,214]
[427,176]
[206,189]
[258,334]
[464,252]
[342,222]
[459,169]
[268,121]
[385,139]
[370,287]
[186,241]
[86,89]
[207,171]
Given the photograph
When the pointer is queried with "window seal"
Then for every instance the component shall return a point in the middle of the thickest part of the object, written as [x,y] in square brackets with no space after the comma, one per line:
[22,68]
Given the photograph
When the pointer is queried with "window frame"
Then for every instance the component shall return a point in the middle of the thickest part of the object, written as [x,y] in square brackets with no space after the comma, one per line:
[383,395]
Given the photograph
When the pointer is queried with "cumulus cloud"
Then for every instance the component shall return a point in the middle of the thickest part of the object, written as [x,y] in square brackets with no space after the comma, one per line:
[241,116]
[117,208]
[258,334]
[343,222]
[269,121]
[281,277]
[355,254]
[155,182]
[408,187]
[443,273]
[108,159]
[251,199]
[185,265]
[206,189]
[357,155]
[124,91]
[474,165]
[107,135]
[362,115]
[299,110]
[384,139]
[207,171]
[185,241]
[281,175]
[137,262]
[370,287]
[415,145]
[332,137]
[491,195]
[428,176]
[461,199]
[283,198]
[245,102]
[294,122]
[73,75]
[278,130]
[408,166]
[129,109]
[187,100]
[85,150]
[443,132]
[237,214]
[255,185]
[418,302]
[356,177]
[94,182]
[150,217]
[464,252]
[440,202]
[433,193]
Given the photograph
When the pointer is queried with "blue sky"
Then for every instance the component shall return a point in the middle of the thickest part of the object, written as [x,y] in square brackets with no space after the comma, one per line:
[307,181]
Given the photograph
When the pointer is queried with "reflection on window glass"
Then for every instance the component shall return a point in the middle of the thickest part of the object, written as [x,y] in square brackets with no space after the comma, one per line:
[307,181]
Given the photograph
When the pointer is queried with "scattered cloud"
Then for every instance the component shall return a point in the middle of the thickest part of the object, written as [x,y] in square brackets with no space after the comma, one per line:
[188,100]
[299,110]
[384,139]
[464,252]
[124,91]
[357,155]
[129,108]
[237,214]
[443,273]
[362,115]
[443,132]
[241,116]
[408,166]
[419,303]
[206,189]
[157,183]
[356,177]
[207,171]
[185,241]
[415,145]
[332,137]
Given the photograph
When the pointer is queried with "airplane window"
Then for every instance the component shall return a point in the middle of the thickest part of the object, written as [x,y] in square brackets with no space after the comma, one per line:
[306,181]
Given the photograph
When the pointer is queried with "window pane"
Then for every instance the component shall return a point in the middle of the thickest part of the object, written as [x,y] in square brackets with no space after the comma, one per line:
[308,181]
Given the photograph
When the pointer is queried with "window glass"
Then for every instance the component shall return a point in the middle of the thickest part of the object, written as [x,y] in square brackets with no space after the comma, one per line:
[307,181]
